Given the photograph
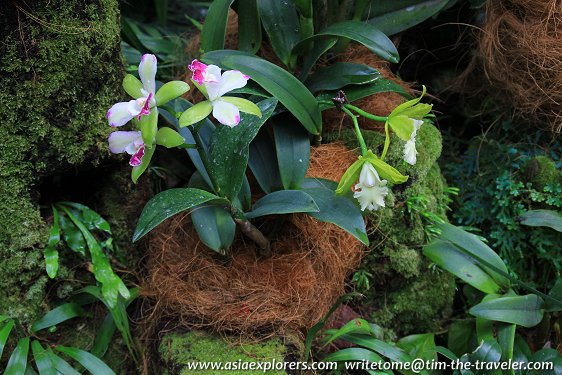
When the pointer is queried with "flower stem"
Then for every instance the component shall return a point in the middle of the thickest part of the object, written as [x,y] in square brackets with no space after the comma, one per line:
[386,141]
[357,130]
[365,114]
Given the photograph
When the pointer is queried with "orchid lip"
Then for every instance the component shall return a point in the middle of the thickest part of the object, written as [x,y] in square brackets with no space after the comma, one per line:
[145,110]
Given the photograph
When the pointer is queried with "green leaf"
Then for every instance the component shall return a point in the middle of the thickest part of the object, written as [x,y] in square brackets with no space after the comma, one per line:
[214,28]
[283,202]
[556,293]
[449,257]
[136,172]
[60,364]
[360,32]
[244,105]
[72,236]
[336,209]
[419,346]
[321,46]
[170,90]
[215,227]
[229,150]
[355,325]
[51,254]
[263,162]
[280,21]
[543,218]
[545,356]
[169,138]
[485,327]
[340,74]
[18,360]
[4,334]
[461,337]
[104,336]
[196,113]
[249,26]
[487,351]
[352,354]
[149,127]
[89,217]
[402,19]
[42,359]
[385,349]
[89,361]
[292,146]
[168,203]
[132,86]
[506,339]
[58,315]
[275,80]
[526,311]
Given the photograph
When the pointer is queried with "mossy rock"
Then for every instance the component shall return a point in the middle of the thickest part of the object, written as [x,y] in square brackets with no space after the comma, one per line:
[61,68]
[541,171]
[406,296]
[180,350]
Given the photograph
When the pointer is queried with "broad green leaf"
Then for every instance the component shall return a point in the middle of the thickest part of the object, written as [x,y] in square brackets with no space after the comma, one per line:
[547,355]
[402,19]
[89,361]
[51,253]
[419,346]
[168,203]
[196,113]
[360,32]
[132,86]
[58,315]
[170,90]
[340,74]
[244,105]
[4,334]
[249,26]
[336,209]
[149,127]
[543,218]
[280,21]
[446,352]
[18,360]
[42,359]
[275,80]
[353,326]
[521,352]
[292,146]
[451,258]
[136,172]
[263,162]
[526,311]
[215,226]
[461,337]
[485,327]
[72,235]
[169,138]
[214,28]
[283,202]
[229,149]
[352,354]
[488,351]
[472,246]
[506,339]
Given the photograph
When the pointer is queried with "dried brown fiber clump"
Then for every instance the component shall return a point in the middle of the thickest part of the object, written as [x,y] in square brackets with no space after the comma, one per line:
[290,290]
[520,53]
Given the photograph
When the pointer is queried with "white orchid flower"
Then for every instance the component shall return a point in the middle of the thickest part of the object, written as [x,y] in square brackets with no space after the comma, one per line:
[410,152]
[123,112]
[370,191]
[226,109]
[130,142]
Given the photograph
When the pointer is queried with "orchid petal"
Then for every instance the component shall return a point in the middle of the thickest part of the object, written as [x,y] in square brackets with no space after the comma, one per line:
[121,113]
[136,159]
[226,113]
[147,72]
[230,80]
[243,105]
[120,140]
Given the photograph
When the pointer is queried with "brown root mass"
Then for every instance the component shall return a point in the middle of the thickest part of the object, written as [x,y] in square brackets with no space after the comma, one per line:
[520,52]
[291,289]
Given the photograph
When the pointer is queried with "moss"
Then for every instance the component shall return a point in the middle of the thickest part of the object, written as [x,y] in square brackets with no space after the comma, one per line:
[177,350]
[60,65]
[406,296]
[540,171]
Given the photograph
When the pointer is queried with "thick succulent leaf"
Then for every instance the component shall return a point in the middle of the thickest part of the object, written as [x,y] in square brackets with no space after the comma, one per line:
[249,26]
[283,202]
[280,21]
[340,74]
[526,311]
[292,146]
[263,162]
[215,226]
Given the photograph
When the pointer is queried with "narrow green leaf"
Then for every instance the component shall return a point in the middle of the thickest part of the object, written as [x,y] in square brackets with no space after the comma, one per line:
[526,311]
[543,218]
[4,334]
[72,236]
[61,365]
[283,202]
[18,360]
[196,113]
[352,354]
[104,336]
[169,138]
[89,217]
[58,315]
[229,149]
[292,146]
[132,86]
[280,21]
[168,203]
[249,26]
[214,28]
[340,74]
[419,346]
[506,339]
[555,293]
[215,226]
[51,253]
[353,326]
[89,361]
[277,81]
[42,359]
[263,162]
[170,90]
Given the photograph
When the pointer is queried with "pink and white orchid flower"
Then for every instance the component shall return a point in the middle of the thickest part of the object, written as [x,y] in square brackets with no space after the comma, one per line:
[130,142]
[121,113]
[209,80]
